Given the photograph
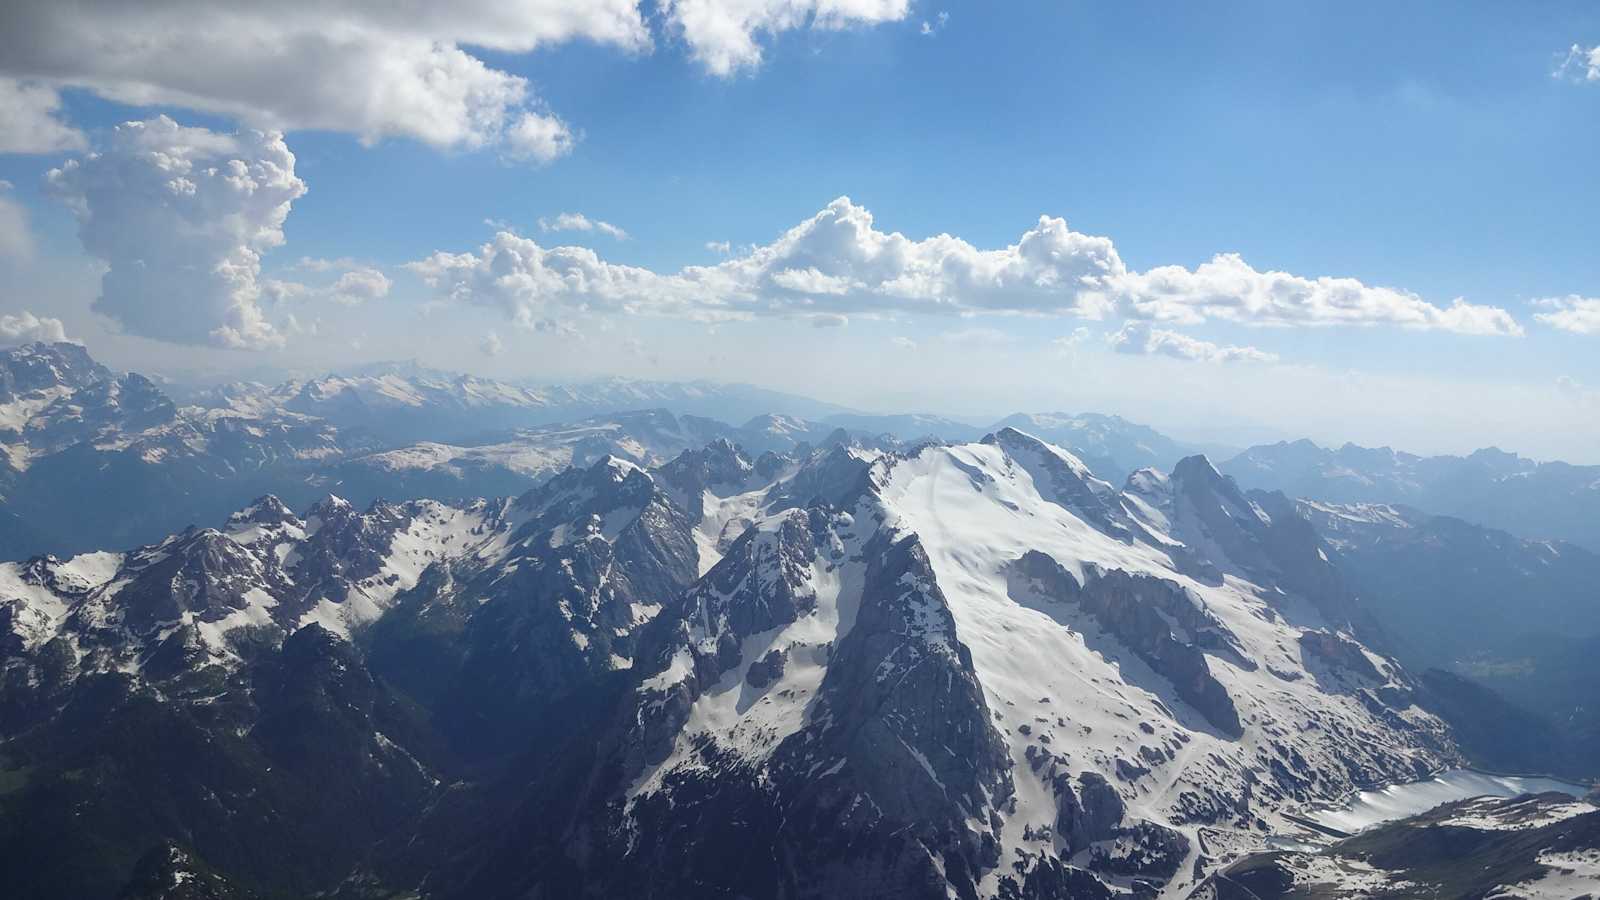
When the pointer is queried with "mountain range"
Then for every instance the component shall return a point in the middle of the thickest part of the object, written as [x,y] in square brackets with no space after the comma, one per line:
[1548,500]
[972,669]
[649,653]
[91,459]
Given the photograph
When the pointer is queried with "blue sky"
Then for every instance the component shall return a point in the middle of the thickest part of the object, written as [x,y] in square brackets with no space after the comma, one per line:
[1428,148]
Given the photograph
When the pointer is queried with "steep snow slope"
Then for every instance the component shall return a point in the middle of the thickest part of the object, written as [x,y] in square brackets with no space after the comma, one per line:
[978,508]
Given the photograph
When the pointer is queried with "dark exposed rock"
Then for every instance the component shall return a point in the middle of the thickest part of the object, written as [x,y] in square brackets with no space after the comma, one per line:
[718,465]
[1052,578]
[1340,653]
[1050,879]
[932,704]
[1129,771]
[832,476]
[767,669]
[764,580]
[1092,812]
[899,720]
[1145,848]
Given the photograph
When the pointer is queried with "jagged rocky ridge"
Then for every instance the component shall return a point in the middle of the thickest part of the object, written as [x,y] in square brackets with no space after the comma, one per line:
[967,670]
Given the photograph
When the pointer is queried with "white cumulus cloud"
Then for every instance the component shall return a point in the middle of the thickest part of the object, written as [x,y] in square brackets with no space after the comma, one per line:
[838,262]
[1579,315]
[1228,288]
[539,137]
[1140,339]
[360,285]
[492,345]
[181,216]
[369,67]
[26,327]
[373,68]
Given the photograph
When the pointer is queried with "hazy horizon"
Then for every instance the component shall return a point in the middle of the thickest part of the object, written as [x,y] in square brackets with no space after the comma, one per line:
[1395,253]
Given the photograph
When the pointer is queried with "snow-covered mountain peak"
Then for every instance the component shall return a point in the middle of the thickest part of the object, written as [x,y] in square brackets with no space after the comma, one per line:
[1061,477]
[264,510]
[775,424]
[1114,693]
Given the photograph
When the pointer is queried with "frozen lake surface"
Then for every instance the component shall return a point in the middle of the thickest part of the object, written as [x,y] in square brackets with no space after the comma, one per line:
[1397,801]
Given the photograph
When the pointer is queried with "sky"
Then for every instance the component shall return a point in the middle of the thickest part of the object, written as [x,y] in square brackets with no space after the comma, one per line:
[1234,221]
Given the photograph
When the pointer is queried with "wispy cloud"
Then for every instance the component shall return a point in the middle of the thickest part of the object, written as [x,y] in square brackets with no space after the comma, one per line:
[16,236]
[1581,65]
[580,222]
[1139,339]
[30,119]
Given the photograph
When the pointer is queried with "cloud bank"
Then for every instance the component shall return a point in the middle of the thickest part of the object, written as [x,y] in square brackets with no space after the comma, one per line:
[373,68]
[838,263]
